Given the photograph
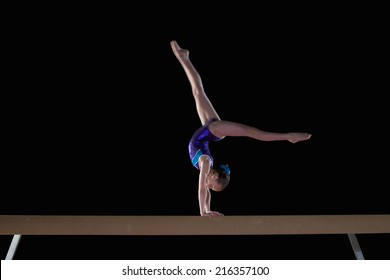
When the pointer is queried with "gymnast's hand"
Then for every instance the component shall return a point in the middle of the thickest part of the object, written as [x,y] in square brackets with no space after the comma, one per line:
[212,213]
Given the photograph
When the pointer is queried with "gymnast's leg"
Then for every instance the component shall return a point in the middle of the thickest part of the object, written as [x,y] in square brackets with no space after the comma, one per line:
[204,107]
[227,128]
[207,112]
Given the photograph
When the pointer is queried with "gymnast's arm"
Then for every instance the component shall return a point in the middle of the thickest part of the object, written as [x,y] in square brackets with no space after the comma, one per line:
[204,195]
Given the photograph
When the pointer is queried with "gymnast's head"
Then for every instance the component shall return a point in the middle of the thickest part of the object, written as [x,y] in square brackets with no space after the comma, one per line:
[219,178]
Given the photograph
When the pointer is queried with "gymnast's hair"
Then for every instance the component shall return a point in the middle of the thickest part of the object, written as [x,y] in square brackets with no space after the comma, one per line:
[223,175]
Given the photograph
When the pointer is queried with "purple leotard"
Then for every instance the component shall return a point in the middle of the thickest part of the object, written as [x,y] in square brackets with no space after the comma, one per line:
[199,143]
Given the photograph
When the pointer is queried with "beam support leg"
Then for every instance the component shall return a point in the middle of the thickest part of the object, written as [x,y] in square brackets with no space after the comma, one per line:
[13,247]
[356,247]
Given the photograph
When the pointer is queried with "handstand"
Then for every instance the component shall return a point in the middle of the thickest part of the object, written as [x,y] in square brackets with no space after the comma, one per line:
[214,129]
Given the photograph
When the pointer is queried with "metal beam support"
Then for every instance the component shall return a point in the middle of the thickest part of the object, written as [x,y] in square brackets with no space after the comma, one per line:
[356,247]
[13,247]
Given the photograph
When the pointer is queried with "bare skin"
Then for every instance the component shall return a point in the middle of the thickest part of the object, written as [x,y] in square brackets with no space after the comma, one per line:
[221,129]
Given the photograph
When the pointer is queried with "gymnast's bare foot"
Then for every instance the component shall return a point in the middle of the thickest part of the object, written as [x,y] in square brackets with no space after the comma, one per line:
[180,53]
[295,137]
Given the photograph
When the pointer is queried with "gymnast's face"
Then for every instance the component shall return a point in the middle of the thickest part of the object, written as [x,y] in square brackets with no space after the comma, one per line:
[212,181]
[217,187]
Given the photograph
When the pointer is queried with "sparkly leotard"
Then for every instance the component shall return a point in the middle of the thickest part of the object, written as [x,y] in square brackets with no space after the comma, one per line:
[199,143]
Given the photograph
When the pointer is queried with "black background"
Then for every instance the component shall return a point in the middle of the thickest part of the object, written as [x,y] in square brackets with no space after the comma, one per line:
[98,114]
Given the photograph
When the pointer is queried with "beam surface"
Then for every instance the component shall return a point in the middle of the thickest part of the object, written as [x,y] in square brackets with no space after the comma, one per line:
[193,225]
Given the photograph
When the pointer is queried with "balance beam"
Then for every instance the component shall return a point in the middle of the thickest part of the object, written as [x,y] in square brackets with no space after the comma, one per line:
[193,225]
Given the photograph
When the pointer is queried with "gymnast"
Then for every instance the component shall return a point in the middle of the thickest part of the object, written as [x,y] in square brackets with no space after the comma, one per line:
[213,129]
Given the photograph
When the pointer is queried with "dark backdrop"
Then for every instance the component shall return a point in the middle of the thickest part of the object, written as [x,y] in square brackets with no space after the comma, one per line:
[98,111]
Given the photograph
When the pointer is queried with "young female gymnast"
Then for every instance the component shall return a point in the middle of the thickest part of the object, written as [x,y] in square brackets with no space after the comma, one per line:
[214,129]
